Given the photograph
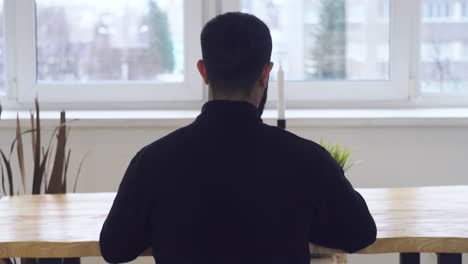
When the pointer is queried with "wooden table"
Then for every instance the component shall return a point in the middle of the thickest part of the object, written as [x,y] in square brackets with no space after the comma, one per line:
[409,221]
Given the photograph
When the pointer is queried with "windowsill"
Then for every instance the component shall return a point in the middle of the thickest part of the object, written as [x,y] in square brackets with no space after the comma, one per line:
[456,117]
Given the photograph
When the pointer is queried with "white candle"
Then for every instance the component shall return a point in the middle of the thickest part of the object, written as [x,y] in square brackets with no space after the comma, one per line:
[280,102]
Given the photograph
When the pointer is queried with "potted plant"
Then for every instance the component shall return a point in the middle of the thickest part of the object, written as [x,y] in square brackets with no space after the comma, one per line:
[342,156]
[50,166]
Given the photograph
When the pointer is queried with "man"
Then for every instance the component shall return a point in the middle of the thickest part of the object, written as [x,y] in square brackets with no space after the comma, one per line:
[228,188]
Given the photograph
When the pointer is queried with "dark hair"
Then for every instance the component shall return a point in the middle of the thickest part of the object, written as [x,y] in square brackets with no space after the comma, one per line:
[235,47]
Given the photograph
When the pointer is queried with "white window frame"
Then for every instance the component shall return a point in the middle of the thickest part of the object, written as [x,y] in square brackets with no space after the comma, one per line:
[23,86]
[402,90]
[9,46]
[395,89]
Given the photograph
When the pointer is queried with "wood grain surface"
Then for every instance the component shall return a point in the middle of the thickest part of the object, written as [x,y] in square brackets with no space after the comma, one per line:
[427,219]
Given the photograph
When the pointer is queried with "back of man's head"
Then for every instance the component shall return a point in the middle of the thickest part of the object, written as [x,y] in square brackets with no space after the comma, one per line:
[235,47]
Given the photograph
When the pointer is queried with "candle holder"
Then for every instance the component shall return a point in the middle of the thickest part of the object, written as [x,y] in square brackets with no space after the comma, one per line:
[281,123]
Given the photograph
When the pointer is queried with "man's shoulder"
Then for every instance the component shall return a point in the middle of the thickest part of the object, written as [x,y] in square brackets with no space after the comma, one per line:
[309,158]
[275,137]
[290,140]
[174,140]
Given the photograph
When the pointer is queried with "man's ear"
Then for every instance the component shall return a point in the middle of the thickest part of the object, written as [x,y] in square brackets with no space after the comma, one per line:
[265,77]
[202,69]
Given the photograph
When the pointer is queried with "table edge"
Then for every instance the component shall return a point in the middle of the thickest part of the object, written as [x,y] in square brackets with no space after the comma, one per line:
[41,249]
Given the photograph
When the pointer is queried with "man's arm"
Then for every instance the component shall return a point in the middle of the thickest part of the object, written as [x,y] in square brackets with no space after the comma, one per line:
[342,219]
[126,233]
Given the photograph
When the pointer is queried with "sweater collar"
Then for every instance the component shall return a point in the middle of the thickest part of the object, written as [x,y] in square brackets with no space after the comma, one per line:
[230,110]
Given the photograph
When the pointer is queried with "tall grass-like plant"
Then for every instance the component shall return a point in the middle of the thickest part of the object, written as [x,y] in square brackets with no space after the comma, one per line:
[43,163]
[340,154]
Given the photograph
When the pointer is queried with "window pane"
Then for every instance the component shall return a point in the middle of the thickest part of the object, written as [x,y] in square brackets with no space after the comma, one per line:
[465,8]
[2,51]
[112,40]
[444,47]
[328,39]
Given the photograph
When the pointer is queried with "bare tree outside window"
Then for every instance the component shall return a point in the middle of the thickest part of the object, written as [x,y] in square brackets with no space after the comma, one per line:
[119,40]
[322,40]
[444,48]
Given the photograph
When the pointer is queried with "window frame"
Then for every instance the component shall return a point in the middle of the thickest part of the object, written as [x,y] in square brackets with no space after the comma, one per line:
[404,91]
[301,93]
[10,58]
[23,86]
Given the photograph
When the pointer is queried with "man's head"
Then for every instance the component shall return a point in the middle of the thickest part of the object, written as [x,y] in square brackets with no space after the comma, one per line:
[236,49]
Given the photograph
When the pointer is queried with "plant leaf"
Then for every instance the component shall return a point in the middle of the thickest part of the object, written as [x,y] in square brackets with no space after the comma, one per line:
[9,172]
[37,176]
[3,177]
[339,154]
[65,171]
[79,171]
[20,152]
[43,164]
[12,146]
[55,183]
[46,169]
[54,133]
[33,134]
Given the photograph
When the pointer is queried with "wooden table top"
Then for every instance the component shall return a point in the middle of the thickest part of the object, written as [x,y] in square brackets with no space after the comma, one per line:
[430,219]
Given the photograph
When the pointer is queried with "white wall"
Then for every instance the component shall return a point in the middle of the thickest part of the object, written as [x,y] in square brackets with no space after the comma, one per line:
[393,157]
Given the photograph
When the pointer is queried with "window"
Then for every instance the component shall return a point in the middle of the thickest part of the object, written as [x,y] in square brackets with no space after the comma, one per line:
[438,8]
[384,9]
[129,51]
[2,52]
[334,48]
[465,52]
[330,40]
[427,10]
[125,41]
[464,8]
[445,10]
[143,53]
[443,65]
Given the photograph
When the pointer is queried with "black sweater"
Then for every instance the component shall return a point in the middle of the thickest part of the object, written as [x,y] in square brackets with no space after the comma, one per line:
[230,189]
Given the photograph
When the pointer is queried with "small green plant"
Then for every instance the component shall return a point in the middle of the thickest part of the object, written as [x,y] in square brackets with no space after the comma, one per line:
[340,154]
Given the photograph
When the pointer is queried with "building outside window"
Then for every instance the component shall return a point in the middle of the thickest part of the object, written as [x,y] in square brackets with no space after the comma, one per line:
[327,40]
[464,7]
[442,69]
[142,53]
[124,41]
